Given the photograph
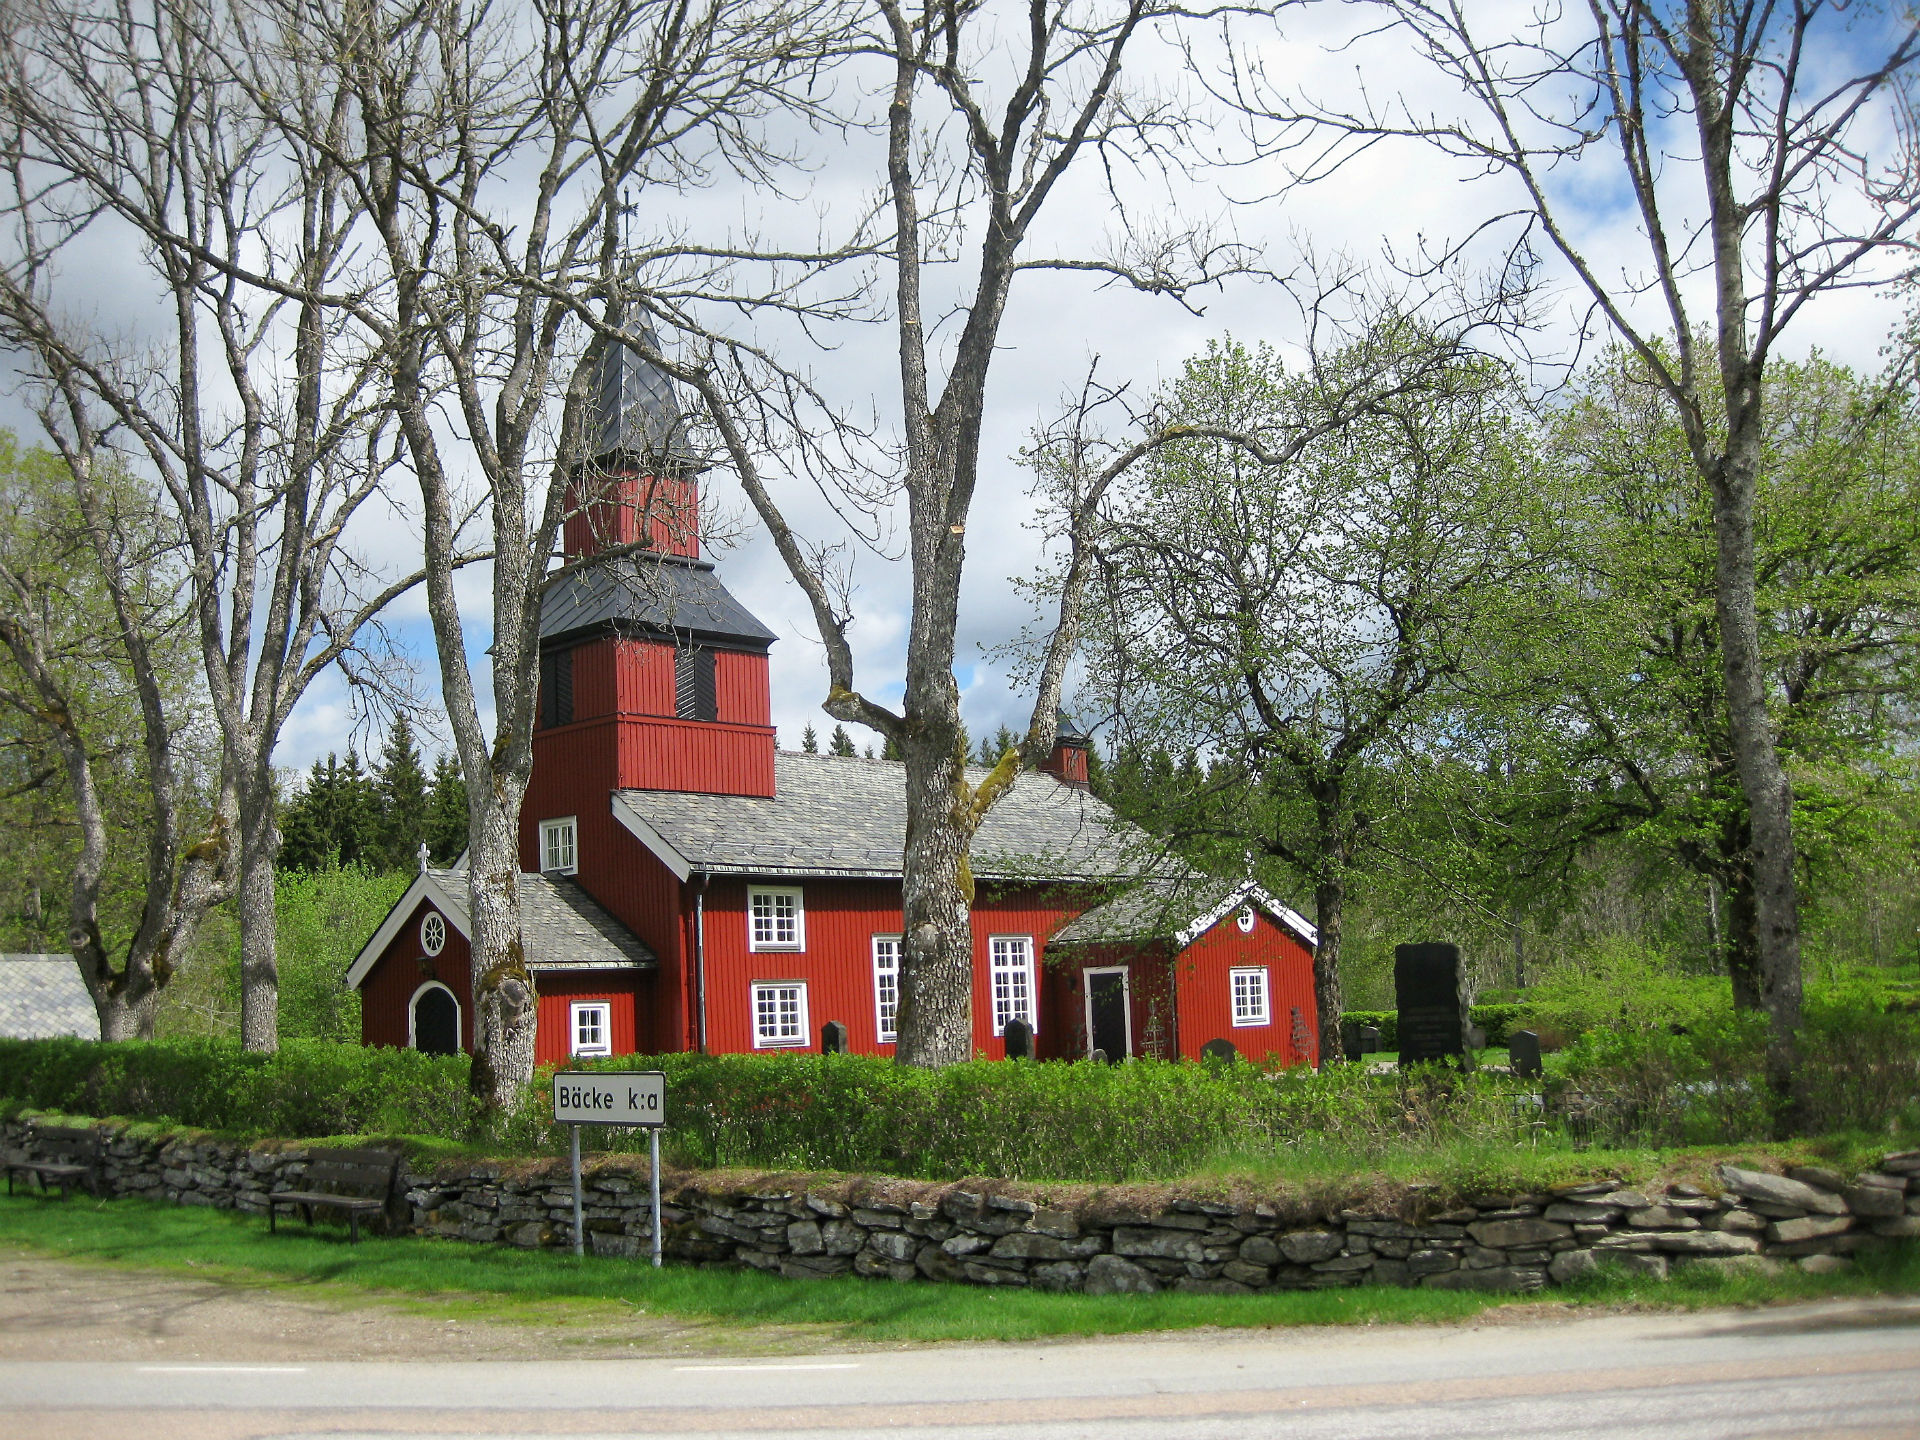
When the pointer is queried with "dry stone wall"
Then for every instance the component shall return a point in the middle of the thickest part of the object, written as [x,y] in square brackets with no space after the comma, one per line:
[1100,1242]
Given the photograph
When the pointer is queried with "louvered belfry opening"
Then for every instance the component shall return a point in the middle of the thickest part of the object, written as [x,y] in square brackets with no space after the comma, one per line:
[694,696]
[556,688]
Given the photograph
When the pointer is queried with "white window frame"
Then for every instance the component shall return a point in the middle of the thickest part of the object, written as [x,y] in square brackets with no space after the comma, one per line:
[433,932]
[1011,956]
[1245,1019]
[565,832]
[576,1011]
[773,1038]
[413,1000]
[886,987]
[774,940]
[1126,997]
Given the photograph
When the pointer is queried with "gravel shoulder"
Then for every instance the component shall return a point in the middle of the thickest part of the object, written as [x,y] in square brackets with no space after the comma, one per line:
[61,1310]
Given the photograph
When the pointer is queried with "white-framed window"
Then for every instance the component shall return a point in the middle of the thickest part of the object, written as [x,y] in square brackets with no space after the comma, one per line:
[776,920]
[886,986]
[1010,973]
[592,1027]
[1250,1004]
[559,855]
[1245,920]
[433,933]
[779,1014]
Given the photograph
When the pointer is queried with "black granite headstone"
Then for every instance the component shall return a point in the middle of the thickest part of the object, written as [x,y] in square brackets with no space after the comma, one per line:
[1433,1018]
[833,1038]
[1369,1040]
[1019,1037]
[1523,1053]
[1219,1050]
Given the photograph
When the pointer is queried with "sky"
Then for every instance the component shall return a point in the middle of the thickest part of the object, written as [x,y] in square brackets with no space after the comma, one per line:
[1391,199]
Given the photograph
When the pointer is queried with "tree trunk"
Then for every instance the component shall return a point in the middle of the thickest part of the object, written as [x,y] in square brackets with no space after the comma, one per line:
[936,974]
[259,946]
[506,1005]
[1329,907]
[1763,779]
[1741,942]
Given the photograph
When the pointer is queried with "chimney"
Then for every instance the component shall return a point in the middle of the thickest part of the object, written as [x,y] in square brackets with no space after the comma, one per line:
[638,484]
[1068,762]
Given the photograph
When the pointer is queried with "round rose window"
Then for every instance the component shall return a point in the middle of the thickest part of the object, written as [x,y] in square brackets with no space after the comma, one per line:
[433,934]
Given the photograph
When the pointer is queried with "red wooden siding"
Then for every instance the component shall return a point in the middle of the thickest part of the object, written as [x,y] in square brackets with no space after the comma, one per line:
[607,509]
[553,1041]
[841,918]
[705,756]
[386,995]
[594,690]
[741,690]
[646,677]
[1154,1028]
[1206,998]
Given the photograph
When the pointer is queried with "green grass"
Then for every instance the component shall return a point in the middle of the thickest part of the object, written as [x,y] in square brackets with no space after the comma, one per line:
[493,1283]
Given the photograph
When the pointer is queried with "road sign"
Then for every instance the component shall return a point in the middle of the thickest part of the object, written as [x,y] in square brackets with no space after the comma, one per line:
[634,1097]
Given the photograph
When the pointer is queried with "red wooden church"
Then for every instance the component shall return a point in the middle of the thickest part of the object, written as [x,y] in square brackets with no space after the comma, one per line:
[688,886]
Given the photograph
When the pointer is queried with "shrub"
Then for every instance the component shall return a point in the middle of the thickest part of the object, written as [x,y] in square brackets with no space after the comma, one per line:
[306,1088]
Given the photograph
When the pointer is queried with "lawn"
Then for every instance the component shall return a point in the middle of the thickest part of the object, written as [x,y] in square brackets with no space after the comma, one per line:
[494,1283]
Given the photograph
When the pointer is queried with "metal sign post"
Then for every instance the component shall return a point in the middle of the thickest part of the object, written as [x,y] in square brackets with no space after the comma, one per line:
[631,1098]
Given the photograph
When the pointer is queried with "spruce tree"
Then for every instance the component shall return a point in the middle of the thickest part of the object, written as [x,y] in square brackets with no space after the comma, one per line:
[402,789]
[446,827]
[307,839]
[809,742]
[840,743]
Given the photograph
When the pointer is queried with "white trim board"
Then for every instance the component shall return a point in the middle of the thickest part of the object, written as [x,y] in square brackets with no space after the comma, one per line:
[1246,891]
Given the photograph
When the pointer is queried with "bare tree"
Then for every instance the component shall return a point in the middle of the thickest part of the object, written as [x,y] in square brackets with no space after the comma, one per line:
[498,156]
[253,409]
[1767,148]
[988,110]
[90,598]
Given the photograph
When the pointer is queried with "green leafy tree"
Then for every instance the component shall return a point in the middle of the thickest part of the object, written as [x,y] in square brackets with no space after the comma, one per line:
[1303,623]
[106,782]
[1631,736]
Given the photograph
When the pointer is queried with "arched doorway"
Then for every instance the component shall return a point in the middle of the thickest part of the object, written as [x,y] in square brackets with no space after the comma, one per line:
[436,1020]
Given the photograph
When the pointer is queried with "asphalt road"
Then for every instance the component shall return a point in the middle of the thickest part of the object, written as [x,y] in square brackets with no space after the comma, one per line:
[1839,1370]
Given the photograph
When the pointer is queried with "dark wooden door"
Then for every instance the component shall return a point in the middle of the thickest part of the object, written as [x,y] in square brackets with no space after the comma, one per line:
[436,1023]
[1107,1007]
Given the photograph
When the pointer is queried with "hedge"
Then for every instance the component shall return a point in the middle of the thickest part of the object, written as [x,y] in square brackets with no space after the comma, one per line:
[304,1089]
[1498,1021]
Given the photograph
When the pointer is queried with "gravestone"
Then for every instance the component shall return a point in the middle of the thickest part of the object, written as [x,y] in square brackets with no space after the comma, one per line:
[1219,1050]
[1358,1040]
[1019,1037]
[1097,1056]
[1523,1054]
[833,1038]
[1433,1016]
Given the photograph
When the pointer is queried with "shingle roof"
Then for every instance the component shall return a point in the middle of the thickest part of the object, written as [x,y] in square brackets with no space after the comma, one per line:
[635,413]
[563,927]
[658,593]
[842,815]
[42,996]
[1178,909]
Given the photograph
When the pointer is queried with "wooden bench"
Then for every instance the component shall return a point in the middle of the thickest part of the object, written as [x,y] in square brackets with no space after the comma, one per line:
[71,1155]
[355,1182]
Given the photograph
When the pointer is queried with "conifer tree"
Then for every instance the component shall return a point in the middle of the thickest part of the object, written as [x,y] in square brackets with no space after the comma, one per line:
[809,741]
[402,790]
[446,826]
[840,743]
